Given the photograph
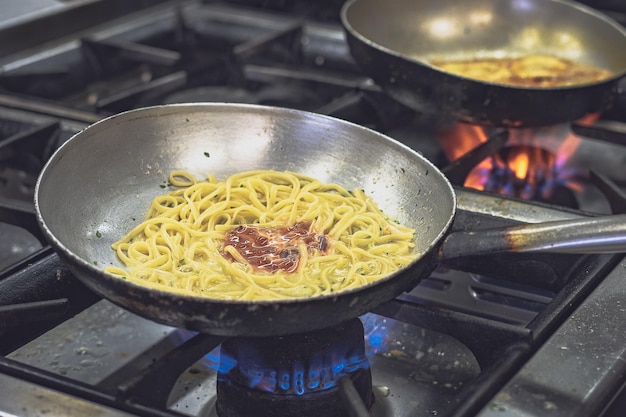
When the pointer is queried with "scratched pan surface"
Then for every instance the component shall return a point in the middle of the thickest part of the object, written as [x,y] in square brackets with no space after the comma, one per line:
[99,184]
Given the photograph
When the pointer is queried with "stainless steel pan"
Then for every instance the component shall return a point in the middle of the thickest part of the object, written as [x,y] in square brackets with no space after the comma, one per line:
[394,41]
[98,185]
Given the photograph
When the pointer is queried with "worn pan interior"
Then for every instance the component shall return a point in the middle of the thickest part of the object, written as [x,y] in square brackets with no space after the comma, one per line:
[98,185]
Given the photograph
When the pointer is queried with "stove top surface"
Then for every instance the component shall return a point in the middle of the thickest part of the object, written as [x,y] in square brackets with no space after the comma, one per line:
[467,341]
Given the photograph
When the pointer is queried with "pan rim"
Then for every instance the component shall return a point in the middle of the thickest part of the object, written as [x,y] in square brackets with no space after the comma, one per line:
[566,3]
[198,106]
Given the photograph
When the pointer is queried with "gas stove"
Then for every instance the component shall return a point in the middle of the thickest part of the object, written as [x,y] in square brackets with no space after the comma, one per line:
[515,335]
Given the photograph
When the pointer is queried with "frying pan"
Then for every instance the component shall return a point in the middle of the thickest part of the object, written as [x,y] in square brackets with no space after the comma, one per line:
[394,41]
[99,184]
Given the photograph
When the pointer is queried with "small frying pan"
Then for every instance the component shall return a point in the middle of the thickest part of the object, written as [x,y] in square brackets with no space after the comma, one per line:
[394,42]
[99,184]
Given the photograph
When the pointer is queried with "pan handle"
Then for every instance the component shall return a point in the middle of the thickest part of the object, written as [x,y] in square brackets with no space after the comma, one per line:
[605,234]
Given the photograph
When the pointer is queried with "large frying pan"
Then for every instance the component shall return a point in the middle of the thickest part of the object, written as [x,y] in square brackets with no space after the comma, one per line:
[100,183]
[394,42]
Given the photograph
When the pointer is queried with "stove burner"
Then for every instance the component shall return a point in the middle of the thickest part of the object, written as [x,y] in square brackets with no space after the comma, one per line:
[530,164]
[293,375]
[527,172]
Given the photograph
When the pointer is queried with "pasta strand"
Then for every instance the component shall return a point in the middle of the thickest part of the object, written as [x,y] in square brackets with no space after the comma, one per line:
[180,246]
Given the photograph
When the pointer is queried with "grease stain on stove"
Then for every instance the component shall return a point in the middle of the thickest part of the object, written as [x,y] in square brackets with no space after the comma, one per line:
[383,390]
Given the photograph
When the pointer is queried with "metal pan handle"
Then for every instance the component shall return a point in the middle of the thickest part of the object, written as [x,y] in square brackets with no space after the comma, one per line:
[588,235]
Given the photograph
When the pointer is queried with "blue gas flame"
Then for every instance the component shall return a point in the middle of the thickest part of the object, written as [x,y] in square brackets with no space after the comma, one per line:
[377,330]
[320,373]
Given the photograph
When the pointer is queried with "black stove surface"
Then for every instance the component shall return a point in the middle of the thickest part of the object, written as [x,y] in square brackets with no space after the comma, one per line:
[455,346]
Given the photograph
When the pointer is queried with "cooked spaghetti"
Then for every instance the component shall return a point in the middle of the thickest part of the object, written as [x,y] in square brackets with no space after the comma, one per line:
[261,235]
[526,71]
